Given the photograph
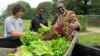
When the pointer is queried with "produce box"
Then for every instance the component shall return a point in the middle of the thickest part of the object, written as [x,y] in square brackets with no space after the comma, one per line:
[69,51]
[34,46]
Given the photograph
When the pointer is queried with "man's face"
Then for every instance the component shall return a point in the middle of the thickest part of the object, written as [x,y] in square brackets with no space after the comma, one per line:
[20,13]
[41,11]
[55,14]
[61,9]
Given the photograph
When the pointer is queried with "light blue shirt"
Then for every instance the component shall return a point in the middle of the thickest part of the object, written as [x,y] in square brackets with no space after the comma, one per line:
[12,24]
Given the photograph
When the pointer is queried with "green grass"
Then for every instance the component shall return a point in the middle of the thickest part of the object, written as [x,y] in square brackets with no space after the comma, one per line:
[90,39]
[1,30]
[98,26]
[26,24]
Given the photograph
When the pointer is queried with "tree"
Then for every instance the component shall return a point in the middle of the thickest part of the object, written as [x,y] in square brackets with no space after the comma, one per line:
[48,7]
[28,10]
[8,11]
[95,7]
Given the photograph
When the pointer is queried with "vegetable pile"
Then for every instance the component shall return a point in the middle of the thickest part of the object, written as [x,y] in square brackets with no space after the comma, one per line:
[44,29]
[34,46]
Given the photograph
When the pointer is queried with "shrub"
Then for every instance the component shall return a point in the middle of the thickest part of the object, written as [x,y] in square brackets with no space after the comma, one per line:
[82,21]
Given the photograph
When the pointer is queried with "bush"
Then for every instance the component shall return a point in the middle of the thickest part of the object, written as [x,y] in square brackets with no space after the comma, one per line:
[82,21]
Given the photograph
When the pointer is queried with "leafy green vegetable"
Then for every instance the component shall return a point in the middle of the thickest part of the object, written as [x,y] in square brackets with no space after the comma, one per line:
[59,46]
[28,37]
[34,46]
[37,47]
[44,29]
[11,54]
[40,48]
[55,47]
[24,51]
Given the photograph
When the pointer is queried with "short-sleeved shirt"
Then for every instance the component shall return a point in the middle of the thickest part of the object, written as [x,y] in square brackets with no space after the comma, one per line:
[12,24]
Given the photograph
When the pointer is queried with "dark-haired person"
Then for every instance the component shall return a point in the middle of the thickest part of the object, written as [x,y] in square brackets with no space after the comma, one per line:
[55,14]
[13,23]
[13,28]
[35,23]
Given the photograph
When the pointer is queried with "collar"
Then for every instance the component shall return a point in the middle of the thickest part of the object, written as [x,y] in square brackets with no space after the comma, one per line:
[64,14]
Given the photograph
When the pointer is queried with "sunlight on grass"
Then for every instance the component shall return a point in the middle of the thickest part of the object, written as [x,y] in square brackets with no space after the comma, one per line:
[26,24]
[1,30]
[90,39]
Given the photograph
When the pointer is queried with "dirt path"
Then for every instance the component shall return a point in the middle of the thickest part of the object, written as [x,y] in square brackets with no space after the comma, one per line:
[5,51]
[91,30]
[94,29]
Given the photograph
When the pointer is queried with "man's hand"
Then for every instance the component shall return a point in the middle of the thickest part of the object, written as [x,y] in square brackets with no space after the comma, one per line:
[72,27]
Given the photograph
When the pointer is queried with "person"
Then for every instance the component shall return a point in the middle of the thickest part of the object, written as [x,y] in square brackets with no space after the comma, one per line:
[66,24]
[55,14]
[13,23]
[67,19]
[13,28]
[35,23]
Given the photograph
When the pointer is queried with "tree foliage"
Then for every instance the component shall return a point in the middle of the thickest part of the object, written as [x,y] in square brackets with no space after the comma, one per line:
[48,8]
[28,10]
[79,6]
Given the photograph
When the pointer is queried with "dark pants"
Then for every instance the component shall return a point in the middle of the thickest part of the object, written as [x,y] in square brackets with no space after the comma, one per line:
[10,42]
[81,50]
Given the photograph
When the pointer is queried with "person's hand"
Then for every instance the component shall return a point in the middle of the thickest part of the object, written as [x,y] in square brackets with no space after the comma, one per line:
[48,36]
[72,27]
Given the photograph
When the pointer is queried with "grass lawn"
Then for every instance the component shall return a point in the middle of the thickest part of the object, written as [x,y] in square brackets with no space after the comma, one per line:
[26,24]
[1,30]
[90,39]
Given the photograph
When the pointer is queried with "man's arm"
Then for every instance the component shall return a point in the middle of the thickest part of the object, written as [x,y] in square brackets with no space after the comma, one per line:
[46,23]
[34,25]
[75,21]
[31,25]
[16,33]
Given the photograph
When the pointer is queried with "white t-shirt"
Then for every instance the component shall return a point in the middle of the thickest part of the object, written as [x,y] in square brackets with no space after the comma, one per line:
[12,24]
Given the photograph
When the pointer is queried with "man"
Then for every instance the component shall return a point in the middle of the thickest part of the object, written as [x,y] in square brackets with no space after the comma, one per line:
[55,14]
[13,23]
[13,28]
[66,24]
[67,19]
[35,23]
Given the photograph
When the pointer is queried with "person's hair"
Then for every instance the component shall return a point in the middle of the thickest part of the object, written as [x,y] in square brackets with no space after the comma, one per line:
[55,11]
[60,4]
[41,8]
[16,9]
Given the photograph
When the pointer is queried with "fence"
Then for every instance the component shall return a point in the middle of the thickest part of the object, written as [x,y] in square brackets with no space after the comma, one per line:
[88,20]
[93,19]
